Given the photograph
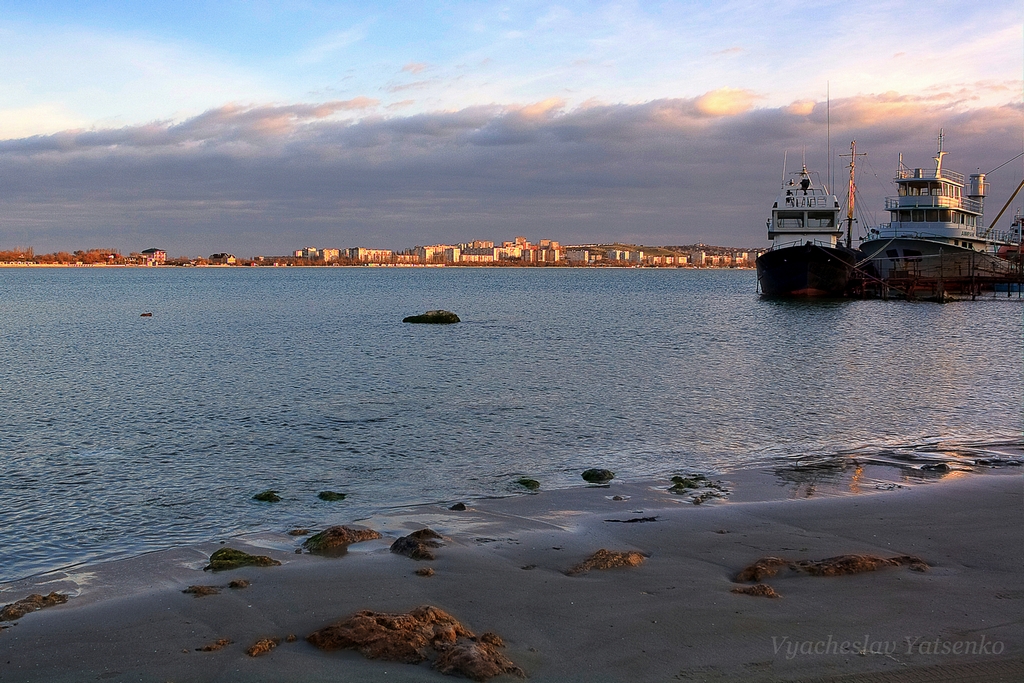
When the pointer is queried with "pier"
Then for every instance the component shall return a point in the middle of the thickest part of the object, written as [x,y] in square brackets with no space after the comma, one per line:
[917,279]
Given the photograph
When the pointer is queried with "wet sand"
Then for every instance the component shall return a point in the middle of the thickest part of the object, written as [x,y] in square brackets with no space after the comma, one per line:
[502,567]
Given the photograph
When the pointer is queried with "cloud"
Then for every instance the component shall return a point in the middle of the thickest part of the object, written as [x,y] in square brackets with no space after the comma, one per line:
[328,45]
[725,102]
[801,107]
[265,179]
[415,67]
[414,85]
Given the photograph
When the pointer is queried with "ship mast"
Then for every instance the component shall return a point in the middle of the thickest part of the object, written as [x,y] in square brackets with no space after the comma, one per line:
[938,157]
[853,191]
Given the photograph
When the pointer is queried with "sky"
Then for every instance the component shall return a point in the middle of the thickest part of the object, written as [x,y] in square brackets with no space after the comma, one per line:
[259,127]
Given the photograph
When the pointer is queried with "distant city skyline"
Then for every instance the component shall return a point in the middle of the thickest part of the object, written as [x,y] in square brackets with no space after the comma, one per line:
[254,127]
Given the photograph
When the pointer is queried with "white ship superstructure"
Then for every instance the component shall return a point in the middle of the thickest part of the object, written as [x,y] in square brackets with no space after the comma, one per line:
[935,226]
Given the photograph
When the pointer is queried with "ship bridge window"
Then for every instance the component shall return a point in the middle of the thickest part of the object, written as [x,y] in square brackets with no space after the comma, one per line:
[789,219]
[918,215]
[821,219]
[944,216]
[931,216]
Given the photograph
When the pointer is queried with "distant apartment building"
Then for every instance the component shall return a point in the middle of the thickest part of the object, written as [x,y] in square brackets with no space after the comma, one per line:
[436,253]
[698,258]
[577,255]
[479,254]
[330,254]
[223,259]
[509,251]
[624,255]
[370,255]
[307,253]
[673,260]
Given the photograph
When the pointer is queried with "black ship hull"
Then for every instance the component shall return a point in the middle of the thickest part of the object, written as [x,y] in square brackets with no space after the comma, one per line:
[806,270]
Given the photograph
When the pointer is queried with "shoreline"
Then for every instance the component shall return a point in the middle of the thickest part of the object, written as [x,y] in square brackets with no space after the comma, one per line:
[673,617]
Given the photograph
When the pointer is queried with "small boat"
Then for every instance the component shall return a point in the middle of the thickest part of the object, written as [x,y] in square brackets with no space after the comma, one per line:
[806,258]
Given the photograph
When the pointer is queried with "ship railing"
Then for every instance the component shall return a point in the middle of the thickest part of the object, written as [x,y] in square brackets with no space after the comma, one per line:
[810,202]
[888,231]
[932,202]
[1005,236]
[800,242]
[929,174]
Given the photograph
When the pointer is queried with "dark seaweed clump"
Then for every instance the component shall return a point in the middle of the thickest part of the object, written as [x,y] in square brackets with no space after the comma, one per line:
[229,558]
[598,476]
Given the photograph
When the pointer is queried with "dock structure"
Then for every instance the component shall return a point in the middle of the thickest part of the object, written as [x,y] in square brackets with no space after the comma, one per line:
[983,275]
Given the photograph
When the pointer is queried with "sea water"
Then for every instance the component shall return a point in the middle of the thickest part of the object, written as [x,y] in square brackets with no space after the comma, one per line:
[122,434]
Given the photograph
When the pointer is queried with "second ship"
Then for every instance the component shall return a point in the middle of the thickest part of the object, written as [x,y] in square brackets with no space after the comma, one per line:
[806,258]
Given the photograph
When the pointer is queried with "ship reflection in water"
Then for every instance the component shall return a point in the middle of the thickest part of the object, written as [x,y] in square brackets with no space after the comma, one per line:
[870,469]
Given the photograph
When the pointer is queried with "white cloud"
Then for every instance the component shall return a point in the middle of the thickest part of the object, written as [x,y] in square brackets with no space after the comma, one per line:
[330,45]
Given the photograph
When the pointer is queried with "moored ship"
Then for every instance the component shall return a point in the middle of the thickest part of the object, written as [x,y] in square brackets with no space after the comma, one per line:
[806,258]
[936,231]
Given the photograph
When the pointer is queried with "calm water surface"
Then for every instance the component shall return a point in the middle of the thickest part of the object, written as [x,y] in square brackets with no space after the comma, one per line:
[122,434]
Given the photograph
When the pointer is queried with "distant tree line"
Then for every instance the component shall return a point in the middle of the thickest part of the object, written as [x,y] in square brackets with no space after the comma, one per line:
[90,256]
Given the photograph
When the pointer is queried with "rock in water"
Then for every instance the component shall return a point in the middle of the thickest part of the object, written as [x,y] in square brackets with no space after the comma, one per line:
[433,318]
[268,496]
[598,476]
[331,496]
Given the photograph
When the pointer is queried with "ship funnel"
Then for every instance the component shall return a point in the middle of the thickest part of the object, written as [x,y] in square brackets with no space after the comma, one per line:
[978,187]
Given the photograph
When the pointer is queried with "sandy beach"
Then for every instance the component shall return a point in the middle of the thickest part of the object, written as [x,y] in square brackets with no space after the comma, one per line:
[502,569]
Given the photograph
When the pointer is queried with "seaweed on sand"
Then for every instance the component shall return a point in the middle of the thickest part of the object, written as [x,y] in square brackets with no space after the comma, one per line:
[607,559]
[229,558]
[411,637]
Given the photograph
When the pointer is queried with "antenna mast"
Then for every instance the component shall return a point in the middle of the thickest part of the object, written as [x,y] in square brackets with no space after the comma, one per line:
[853,191]
[828,134]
